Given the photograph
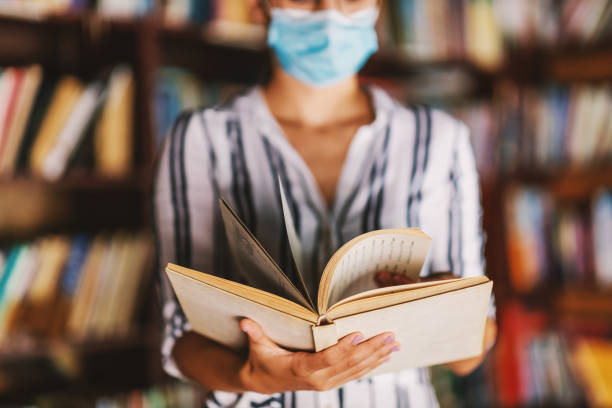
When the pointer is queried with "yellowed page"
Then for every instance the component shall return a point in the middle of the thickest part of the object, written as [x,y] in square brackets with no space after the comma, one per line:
[389,290]
[256,266]
[294,244]
[351,269]
[215,314]
[395,295]
[430,331]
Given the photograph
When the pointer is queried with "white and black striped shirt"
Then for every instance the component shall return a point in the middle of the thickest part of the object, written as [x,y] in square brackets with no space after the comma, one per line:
[412,166]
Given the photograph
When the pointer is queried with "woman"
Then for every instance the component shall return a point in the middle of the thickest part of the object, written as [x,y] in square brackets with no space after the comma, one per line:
[351,160]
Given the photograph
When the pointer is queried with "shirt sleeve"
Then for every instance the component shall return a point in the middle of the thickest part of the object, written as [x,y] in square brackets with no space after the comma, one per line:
[452,213]
[183,197]
[467,258]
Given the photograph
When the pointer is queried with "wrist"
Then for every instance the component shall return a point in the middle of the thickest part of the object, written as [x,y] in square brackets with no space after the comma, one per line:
[245,379]
[248,380]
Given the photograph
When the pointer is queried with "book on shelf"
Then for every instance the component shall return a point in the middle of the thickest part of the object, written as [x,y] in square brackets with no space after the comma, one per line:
[82,287]
[592,359]
[74,130]
[514,378]
[239,12]
[9,88]
[542,360]
[553,126]
[18,120]
[602,237]
[299,315]
[526,23]
[113,141]
[125,8]
[526,211]
[40,9]
[69,89]
[44,95]
[50,124]
[550,242]
[434,30]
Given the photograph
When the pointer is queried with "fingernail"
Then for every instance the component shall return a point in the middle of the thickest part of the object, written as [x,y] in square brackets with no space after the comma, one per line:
[357,339]
[386,359]
[395,348]
[389,339]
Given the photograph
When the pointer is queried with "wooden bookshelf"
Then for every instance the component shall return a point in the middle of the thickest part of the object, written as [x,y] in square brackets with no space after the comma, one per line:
[82,180]
[590,63]
[89,369]
[567,63]
[83,45]
[563,183]
[589,301]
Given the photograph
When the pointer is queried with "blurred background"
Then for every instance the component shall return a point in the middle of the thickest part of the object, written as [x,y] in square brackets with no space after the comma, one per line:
[88,88]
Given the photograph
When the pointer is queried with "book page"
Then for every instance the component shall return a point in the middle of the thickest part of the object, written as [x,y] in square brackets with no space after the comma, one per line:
[254,263]
[294,242]
[393,295]
[391,289]
[352,268]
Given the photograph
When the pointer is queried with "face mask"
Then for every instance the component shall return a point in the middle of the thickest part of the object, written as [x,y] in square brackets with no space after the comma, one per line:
[322,47]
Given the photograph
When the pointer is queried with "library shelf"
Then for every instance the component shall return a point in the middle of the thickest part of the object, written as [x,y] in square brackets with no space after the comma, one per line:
[72,43]
[25,39]
[81,180]
[37,348]
[88,369]
[61,41]
[579,301]
[590,63]
[29,214]
[79,202]
[590,302]
[567,183]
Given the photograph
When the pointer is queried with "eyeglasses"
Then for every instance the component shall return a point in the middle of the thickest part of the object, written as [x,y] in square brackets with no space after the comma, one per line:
[344,6]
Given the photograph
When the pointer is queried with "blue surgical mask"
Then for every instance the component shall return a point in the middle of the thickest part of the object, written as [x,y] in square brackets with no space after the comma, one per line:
[322,47]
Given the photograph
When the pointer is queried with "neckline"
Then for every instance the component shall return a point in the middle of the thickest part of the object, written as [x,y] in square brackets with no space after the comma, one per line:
[272,128]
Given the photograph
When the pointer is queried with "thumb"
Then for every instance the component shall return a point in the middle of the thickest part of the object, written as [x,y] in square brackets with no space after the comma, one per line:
[257,337]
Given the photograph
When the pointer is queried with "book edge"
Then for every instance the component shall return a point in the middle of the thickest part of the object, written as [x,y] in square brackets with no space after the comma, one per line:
[249,293]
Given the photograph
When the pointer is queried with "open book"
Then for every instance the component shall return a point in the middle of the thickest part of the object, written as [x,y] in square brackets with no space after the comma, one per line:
[435,322]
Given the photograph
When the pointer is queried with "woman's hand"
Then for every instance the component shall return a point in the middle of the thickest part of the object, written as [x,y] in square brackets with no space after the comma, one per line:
[270,369]
[461,367]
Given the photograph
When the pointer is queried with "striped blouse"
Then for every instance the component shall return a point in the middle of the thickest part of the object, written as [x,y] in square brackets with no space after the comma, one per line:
[412,166]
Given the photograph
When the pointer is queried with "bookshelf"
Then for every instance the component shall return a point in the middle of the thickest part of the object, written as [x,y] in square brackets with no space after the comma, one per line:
[83,201]
[568,63]
[80,44]
[573,184]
